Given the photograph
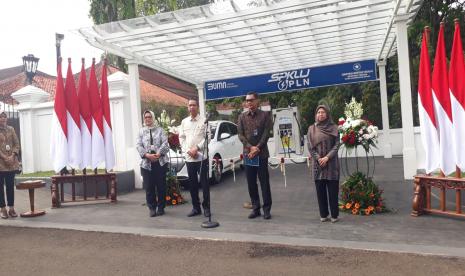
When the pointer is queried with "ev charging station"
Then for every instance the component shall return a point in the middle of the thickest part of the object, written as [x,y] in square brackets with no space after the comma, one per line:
[287,134]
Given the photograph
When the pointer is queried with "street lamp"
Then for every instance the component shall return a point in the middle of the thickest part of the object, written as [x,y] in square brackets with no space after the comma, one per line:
[30,66]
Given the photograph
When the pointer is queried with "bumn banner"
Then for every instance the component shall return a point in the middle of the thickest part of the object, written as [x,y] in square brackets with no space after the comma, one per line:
[329,75]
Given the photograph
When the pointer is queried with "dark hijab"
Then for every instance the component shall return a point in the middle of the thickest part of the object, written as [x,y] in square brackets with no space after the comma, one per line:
[321,130]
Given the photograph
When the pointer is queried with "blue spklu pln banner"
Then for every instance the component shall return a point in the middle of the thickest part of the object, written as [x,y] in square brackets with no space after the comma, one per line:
[313,77]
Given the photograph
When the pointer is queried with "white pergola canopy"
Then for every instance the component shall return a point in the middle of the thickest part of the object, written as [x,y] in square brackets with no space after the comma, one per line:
[231,39]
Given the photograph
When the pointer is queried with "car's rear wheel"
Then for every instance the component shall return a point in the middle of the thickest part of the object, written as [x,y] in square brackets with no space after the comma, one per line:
[217,169]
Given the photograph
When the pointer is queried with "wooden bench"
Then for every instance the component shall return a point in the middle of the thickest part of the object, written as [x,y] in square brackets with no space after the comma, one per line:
[58,182]
[423,185]
[31,185]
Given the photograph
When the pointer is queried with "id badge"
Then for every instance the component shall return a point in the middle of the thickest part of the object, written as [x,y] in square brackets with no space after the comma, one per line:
[255,132]
[7,148]
[152,148]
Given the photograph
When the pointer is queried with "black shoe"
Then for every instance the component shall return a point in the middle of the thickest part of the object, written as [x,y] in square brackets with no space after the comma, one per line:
[254,214]
[160,212]
[194,212]
[207,213]
[153,213]
[267,215]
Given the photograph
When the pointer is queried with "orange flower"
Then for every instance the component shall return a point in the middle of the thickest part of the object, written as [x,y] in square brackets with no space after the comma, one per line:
[367,211]
[372,195]
[168,198]
[354,211]
[348,205]
[371,208]
[173,202]
[357,205]
[342,207]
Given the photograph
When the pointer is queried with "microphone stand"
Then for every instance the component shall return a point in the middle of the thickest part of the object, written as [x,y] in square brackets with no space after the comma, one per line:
[209,223]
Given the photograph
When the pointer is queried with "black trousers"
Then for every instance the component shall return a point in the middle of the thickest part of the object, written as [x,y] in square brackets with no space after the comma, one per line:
[154,182]
[7,179]
[264,178]
[328,189]
[193,170]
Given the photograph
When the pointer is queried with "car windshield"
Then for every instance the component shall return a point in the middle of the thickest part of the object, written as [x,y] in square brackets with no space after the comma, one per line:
[213,126]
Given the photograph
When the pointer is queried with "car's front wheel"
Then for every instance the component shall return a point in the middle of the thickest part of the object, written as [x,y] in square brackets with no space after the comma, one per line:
[217,169]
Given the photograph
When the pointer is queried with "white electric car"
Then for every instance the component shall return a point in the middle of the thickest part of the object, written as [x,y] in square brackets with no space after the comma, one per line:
[224,146]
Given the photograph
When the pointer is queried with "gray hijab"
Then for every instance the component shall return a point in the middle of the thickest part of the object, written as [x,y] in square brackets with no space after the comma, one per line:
[321,131]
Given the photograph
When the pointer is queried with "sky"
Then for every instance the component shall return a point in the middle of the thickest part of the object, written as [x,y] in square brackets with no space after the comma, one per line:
[29,27]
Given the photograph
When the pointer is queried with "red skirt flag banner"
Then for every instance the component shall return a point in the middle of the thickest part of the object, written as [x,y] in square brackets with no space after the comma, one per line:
[457,95]
[73,120]
[107,131]
[85,119]
[58,139]
[98,145]
[440,85]
[428,124]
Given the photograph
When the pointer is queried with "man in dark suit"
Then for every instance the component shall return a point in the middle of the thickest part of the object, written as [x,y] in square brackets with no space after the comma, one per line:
[254,128]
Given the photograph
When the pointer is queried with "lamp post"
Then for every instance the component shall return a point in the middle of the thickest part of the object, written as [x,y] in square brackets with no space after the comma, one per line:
[30,66]
[58,39]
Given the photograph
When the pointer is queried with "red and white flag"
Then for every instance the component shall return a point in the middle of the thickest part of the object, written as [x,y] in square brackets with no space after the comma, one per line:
[58,140]
[457,92]
[428,124]
[85,118]
[73,120]
[98,144]
[442,106]
[107,131]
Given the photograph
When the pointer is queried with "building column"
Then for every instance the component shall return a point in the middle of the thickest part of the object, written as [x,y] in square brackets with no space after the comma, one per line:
[134,96]
[201,94]
[135,113]
[409,152]
[384,109]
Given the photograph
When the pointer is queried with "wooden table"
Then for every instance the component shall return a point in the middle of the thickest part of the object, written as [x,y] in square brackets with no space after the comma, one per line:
[31,185]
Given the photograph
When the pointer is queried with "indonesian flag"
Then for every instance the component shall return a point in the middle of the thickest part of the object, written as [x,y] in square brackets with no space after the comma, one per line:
[107,131]
[457,92]
[85,118]
[73,119]
[58,139]
[428,124]
[98,145]
[442,107]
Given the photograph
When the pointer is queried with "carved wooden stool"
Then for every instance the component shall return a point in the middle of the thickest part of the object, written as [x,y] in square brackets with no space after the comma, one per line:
[31,185]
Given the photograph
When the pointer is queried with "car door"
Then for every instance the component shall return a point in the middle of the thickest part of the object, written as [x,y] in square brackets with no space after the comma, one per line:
[236,145]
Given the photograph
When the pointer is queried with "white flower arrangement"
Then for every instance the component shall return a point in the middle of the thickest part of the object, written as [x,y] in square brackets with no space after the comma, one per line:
[355,131]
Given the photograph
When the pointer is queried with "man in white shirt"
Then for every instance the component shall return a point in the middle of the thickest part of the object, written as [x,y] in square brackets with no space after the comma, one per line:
[192,139]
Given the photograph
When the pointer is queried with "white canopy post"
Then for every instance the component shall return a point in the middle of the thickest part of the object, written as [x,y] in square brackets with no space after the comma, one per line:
[384,109]
[201,94]
[135,112]
[134,96]
[409,151]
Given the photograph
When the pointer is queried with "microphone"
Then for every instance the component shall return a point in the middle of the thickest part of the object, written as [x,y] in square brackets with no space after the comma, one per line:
[208,116]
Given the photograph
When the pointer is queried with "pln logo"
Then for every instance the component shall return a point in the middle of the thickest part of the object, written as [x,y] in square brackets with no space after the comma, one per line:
[291,79]
[357,66]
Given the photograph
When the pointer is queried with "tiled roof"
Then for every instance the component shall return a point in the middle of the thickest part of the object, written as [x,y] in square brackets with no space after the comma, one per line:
[176,86]
[149,90]
[14,83]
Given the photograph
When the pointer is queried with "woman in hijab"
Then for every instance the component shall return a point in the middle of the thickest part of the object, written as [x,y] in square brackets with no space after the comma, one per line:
[323,144]
[9,164]
[152,145]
